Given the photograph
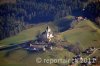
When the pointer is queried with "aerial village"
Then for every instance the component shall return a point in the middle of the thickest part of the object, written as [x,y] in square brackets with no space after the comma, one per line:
[44,43]
[44,40]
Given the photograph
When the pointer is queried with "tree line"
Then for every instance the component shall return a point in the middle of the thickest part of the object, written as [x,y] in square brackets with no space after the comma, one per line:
[14,17]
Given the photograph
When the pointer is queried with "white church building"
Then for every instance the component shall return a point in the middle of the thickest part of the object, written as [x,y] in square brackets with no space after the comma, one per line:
[47,35]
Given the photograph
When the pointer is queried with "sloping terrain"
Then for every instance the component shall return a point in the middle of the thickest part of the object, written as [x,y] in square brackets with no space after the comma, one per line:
[29,34]
[85,33]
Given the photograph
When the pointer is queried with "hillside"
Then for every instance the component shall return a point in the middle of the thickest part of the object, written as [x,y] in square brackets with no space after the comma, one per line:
[17,15]
[74,32]
[29,34]
[62,24]
[85,33]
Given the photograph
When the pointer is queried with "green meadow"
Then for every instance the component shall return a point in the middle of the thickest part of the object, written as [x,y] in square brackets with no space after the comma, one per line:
[85,33]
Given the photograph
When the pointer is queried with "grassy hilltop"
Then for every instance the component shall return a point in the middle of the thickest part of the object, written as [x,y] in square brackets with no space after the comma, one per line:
[85,33]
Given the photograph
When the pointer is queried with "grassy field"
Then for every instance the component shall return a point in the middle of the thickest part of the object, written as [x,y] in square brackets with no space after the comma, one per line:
[30,34]
[25,35]
[21,57]
[85,33]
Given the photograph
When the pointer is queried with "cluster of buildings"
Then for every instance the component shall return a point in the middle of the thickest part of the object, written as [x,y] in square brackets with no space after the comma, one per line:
[43,41]
[85,61]
[89,50]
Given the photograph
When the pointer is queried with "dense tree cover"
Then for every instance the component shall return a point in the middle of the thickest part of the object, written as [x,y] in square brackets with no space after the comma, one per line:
[92,11]
[15,16]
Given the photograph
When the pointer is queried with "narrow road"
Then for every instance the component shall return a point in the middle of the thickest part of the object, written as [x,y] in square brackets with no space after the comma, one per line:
[93,52]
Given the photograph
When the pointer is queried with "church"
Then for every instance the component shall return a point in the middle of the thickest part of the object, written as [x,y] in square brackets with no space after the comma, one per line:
[47,35]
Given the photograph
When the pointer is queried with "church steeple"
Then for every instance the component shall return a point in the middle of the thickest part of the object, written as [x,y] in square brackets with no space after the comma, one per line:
[48,29]
[47,35]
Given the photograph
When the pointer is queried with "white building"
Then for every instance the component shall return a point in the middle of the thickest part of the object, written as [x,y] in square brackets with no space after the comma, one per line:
[47,35]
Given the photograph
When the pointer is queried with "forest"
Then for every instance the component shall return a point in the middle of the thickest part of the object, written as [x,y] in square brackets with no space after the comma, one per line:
[18,16]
